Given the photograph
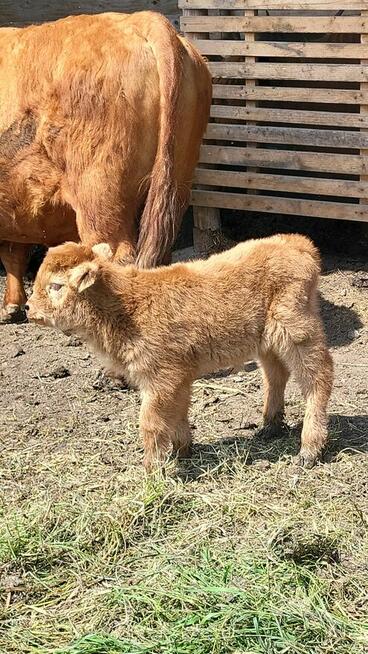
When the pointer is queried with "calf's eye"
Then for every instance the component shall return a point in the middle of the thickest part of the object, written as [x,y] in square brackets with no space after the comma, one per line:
[55,287]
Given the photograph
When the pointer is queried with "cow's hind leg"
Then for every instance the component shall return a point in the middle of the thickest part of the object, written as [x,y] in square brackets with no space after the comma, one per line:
[14,257]
[275,377]
[108,217]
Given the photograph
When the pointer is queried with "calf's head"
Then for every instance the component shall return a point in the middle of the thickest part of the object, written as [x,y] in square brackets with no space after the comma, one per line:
[61,292]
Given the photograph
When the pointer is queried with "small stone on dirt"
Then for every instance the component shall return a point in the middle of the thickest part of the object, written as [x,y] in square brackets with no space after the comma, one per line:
[11,582]
[18,352]
[246,424]
[60,373]
[73,341]
[104,382]
[353,333]
[360,280]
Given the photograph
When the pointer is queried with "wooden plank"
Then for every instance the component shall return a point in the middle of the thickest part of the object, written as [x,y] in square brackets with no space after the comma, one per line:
[281,49]
[281,71]
[285,94]
[285,159]
[282,183]
[282,24]
[310,5]
[290,116]
[313,208]
[250,83]
[195,12]
[206,220]
[24,12]
[364,107]
[287,135]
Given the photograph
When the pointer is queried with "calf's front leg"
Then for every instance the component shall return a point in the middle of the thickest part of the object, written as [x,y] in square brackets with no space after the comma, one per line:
[164,424]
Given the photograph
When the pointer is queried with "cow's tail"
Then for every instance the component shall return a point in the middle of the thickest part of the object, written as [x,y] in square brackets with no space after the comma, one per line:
[162,211]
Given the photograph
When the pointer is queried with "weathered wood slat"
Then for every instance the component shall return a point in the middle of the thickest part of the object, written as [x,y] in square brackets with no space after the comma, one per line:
[313,208]
[282,183]
[307,72]
[282,24]
[285,159]
[364,107]
[285,94]
[310,5]
[24,12]
[287,135]
[290,116]
[281,49]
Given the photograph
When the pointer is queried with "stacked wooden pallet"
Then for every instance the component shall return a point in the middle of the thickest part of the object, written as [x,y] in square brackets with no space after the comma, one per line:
[25,12]
[289,121]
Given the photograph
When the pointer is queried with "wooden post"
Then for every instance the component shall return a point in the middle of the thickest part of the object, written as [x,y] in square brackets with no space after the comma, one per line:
[250,83]
[206,219]
[364,107]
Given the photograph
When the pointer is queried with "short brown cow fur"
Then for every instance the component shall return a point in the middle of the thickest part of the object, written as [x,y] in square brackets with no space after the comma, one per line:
[165,327]
[101,120]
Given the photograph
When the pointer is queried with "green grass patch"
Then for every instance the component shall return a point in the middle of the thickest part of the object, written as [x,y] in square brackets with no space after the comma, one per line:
[228,564]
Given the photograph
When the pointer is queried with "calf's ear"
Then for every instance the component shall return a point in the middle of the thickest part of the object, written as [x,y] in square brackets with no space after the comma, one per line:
[84,275]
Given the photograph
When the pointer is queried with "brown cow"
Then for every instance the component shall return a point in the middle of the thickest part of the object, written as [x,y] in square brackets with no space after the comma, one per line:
[101,119]
[163,328]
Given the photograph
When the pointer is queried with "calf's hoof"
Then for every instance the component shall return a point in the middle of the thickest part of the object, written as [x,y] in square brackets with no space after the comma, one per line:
[156,462]
[183,451]
[273,430]
[12,313]
[306,459]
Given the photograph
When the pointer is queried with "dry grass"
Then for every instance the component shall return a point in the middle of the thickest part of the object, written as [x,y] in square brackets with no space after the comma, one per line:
[98,559]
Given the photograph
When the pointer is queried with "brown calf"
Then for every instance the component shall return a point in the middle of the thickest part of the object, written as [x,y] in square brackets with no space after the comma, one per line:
[163,328]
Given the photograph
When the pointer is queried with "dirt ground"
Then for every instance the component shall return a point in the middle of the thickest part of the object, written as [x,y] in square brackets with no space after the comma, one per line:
[52,389]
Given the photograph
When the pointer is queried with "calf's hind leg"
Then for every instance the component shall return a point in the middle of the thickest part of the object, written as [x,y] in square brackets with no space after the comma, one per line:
[14,257]
[312,367]
[182,436]
[275,377]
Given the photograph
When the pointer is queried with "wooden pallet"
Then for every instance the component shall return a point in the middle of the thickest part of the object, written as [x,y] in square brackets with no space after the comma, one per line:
[289,121]
[26,12]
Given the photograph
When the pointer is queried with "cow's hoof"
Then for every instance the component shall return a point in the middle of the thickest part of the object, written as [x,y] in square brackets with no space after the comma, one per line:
[12,313]
[306,459]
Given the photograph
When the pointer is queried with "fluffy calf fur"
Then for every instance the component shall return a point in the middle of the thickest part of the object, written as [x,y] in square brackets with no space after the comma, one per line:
[164,327]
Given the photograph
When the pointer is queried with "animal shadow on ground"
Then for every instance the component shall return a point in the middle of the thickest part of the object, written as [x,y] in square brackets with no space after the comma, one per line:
[339,322]
[346,434]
